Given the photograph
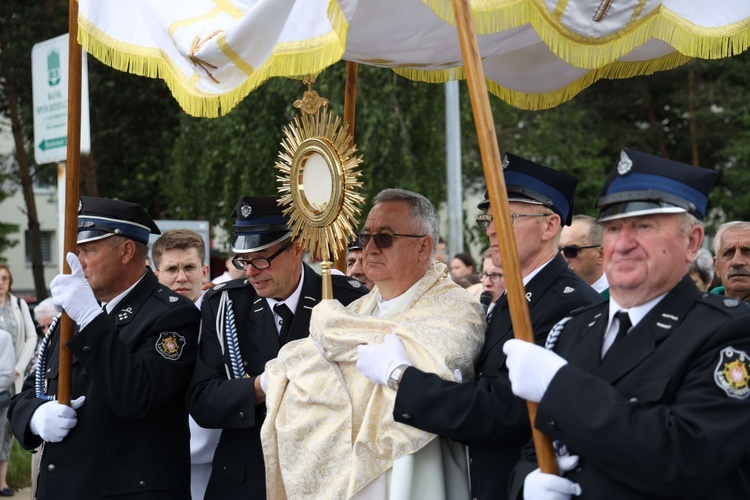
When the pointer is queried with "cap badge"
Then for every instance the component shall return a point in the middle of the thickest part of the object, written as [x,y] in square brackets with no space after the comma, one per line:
[80,206]
[246,210]
[625,164]
[732,374]
[170,345]
[506,162]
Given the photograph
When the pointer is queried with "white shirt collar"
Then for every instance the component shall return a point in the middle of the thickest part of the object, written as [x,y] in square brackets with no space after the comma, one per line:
[601,284]
[109,306]
[293,300]
[536,271]
[636,313]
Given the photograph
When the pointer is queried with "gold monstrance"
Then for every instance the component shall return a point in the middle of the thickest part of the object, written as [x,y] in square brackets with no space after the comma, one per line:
[318,168]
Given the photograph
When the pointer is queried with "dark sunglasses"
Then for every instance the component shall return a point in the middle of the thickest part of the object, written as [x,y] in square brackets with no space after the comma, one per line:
[383,240]
[571,252]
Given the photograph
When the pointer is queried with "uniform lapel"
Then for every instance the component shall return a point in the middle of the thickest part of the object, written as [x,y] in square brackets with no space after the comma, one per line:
[310,296]
[126,310]
[584,347]
[500,327]
[261,330]
[643,339]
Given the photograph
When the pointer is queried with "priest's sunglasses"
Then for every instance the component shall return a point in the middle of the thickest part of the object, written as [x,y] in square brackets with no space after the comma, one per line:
[571,252]
[261,262]
[383,240]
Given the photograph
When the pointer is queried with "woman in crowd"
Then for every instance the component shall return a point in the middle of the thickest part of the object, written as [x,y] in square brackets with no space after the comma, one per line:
[16,320]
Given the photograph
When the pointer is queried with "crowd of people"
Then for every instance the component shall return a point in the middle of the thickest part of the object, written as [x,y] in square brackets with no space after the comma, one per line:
[410,385]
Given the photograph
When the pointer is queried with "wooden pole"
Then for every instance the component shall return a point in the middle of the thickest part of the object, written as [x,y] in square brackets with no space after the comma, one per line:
[71,189]
[480,104]
[350,115]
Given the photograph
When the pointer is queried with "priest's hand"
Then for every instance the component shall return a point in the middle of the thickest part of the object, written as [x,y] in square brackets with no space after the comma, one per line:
[531,368]
[72,293]
[377,362]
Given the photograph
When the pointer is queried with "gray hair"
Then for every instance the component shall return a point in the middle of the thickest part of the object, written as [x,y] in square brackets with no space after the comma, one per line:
[737,225]
[422,211]
[44,308]
[703,265]
[595,233]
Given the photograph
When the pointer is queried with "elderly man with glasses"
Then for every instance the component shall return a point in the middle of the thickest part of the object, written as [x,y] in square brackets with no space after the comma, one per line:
[484,413]
[245,324]
[581,246]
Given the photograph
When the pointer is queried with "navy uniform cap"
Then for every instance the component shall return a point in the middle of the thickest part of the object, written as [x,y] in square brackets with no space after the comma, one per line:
[530,182]
[354,245]
[259,224]
[642,184]
[100,218]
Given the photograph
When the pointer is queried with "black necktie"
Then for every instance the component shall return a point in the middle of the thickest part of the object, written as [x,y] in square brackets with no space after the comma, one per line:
[625,325]
[286,321]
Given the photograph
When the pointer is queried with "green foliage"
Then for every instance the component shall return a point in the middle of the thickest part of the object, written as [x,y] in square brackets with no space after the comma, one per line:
[147,150]
[19,467]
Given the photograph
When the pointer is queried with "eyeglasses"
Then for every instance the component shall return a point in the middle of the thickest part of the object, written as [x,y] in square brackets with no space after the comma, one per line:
[484,220]
[261,262]
[173,271]
[494,277]
[571,252]
[383,240]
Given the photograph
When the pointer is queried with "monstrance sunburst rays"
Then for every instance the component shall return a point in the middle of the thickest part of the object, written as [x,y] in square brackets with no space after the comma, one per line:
[317,148]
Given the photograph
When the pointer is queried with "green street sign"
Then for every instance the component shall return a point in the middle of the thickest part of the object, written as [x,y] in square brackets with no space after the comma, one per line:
[59,142]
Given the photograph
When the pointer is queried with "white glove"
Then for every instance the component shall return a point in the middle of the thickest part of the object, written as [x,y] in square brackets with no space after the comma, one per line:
[376,362]
[52,421]
[531,368]
[567,463]
[541,486]
[72,293]
[264,382]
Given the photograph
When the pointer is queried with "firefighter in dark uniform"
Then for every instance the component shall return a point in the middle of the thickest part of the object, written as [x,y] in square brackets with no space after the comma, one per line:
[245,323]
[484,413]
[645,395]
[126,435]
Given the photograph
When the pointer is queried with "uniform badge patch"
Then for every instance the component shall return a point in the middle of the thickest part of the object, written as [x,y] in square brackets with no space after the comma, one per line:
[355,283]
[732,374]
[625,165]
[125,314]
[170,344]
[731,302]
[173,299]
[569,289]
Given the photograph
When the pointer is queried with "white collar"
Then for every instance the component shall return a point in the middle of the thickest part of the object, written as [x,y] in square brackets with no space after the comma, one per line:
[293,300]
[109,306]
[636,313]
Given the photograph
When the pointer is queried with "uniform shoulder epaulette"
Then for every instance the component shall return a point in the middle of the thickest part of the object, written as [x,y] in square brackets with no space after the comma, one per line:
[583,309]
[227,285]
[348,283]
[723,303]
[166,295]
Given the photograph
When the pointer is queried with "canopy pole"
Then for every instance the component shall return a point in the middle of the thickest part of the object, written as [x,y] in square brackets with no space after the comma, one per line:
[519,311]
[71,189]
[350,116]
